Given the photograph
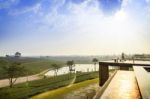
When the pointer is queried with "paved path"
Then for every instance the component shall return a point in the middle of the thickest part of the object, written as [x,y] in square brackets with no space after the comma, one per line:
[122,86]
[5,82]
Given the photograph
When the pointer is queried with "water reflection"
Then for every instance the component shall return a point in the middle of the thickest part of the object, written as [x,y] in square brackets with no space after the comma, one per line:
[78,67]
[87,68]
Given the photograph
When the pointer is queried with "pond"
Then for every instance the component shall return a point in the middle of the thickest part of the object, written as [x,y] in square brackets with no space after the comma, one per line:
[86,68]
[78,67]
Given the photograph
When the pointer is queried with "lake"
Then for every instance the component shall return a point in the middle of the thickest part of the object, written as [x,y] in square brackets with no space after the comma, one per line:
[86,68]
[78,67]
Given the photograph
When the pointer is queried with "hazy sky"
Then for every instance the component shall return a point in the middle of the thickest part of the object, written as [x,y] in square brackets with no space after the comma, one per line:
[74,27]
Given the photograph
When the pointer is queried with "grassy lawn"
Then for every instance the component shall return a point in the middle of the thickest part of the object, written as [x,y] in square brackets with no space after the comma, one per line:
[57,93]
[39,66]
[86,75]
[25,90]
[33,66]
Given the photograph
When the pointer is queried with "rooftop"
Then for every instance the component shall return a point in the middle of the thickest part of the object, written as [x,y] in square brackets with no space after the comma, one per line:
[126,83]
[122,85]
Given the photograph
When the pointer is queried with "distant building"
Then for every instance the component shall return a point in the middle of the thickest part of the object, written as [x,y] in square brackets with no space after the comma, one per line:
[142,56]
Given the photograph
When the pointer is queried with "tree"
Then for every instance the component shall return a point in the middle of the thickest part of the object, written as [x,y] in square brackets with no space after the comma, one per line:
[17,54]
[55,67]
[123,56]
[7,56]
[95,60]
[13,71]
[70,65]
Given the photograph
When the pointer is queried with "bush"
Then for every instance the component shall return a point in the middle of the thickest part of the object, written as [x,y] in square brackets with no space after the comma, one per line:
[86,76]
[24,90]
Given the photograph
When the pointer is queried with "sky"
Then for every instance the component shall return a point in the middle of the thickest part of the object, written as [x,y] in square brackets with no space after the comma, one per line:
[74,27]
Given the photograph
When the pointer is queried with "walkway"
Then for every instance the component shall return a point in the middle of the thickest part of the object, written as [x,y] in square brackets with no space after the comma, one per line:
[143,79]
[5,82]
[122,86]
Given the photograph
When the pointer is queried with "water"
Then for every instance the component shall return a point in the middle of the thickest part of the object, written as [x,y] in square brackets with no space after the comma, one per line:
[78,67]
[86,68]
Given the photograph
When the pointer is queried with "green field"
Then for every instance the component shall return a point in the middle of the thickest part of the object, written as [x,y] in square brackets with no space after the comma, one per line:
[39,66]
[33,66]
[59,93]
[25,90]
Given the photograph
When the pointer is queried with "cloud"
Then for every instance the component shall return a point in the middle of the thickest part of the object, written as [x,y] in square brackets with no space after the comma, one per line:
[83,27]
[6,4]
[110,6]
[74,11]
[84,18]
[147,1]
[18,7]
[86,22]
[147,8]
[33,9]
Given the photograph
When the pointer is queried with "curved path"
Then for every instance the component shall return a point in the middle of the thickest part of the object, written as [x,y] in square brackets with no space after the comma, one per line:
[5,82]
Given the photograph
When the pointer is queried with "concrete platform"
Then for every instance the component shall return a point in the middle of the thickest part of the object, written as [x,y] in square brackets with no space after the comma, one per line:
[143,79]
[122,86]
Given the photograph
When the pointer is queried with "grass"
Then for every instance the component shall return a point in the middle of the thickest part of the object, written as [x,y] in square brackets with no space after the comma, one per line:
[86,75]
[33,66]
[39,66]
[57,93]
[25,90]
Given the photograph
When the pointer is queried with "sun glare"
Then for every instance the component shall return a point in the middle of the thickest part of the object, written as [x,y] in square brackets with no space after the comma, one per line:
[120,15]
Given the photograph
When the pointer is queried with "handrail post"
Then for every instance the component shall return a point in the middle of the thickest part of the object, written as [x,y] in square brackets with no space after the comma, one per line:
[103,74]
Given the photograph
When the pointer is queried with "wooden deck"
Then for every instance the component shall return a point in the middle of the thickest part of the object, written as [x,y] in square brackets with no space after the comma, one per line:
[143,79]
[125,84]
[103,68]
[128,64]
[122,86]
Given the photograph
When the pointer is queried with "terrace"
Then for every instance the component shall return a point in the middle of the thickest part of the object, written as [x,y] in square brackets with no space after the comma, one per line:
[131,81]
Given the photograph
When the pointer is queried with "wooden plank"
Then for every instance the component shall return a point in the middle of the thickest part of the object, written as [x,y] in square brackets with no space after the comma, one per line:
[122,86]
[123,64]
[143,79]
